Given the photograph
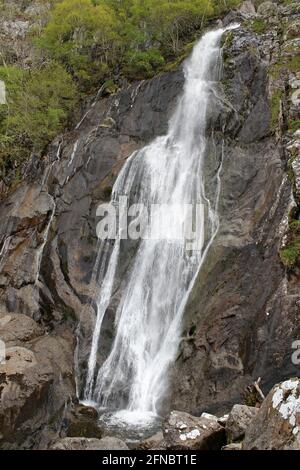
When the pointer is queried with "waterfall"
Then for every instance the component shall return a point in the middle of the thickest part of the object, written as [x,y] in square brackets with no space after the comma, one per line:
[134,377]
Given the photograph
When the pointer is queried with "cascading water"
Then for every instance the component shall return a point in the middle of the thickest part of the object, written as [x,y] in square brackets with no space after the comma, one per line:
[133,379]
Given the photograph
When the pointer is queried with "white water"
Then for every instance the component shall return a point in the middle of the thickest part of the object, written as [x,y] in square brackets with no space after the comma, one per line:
[73,153]
[133,379]
[40,250]
[4,250]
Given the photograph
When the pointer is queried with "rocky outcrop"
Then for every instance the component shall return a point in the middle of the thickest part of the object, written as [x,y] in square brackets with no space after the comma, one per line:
[18,18]
[277,424]
[36,382]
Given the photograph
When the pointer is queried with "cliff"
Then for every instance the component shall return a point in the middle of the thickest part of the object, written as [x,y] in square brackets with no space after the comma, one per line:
[243,314]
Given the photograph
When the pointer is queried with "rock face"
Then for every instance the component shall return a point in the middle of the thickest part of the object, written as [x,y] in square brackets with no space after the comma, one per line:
[183,431]
[78,443]
[277,424]
[36,382]
[15,26]
[238,421]
[49,247]
[243,314]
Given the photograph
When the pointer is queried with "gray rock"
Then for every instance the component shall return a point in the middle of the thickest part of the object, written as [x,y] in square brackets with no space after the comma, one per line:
[82,421]
[80,443]
[183,431]
[155,442]
[277,424]
[293,30]
[18,328]
[34,385]
[257,123]
[267,9]
[247,8]
[238,421]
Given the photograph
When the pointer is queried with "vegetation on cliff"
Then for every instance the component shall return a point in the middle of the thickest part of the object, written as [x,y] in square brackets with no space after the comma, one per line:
[79,44]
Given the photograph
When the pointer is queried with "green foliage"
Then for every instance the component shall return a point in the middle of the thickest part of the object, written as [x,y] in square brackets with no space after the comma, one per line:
[222,6]
[291,253]
[143,64]
[85,43]
[294,125]
[259,26]
[275,103]
[38,103]
[83,36]
[94,37]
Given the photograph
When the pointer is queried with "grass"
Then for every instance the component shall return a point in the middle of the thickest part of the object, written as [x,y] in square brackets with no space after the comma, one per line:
[290,254]
[293,125]
[259,26]
[275,107]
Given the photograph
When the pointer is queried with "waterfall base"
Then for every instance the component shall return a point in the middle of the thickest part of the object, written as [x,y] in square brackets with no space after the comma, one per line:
[130,426]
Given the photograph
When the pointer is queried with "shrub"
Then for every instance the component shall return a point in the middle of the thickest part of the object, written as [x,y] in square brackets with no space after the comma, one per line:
[38,104]
[142,64]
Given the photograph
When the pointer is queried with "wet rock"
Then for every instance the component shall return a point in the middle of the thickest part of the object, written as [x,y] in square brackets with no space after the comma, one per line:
[277,424]
[80,443]
[82,421]
[183,431]
[238,421]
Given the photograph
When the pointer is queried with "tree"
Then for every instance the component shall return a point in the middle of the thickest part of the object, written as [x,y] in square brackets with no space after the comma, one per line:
[83,36]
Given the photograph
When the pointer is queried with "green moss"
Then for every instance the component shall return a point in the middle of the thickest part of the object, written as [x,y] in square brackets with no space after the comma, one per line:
[290,254]
[275,102]
[293,125]
[259,26]
[109,87]
[290,171]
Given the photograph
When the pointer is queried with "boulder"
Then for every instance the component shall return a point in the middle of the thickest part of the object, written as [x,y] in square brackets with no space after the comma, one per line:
[183,431]
[267,9]
[82,421]
[238,421]
[247,8]
[277,423]
[36,377]
[81,443]
[155,442]
[293,30]
[18,328]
